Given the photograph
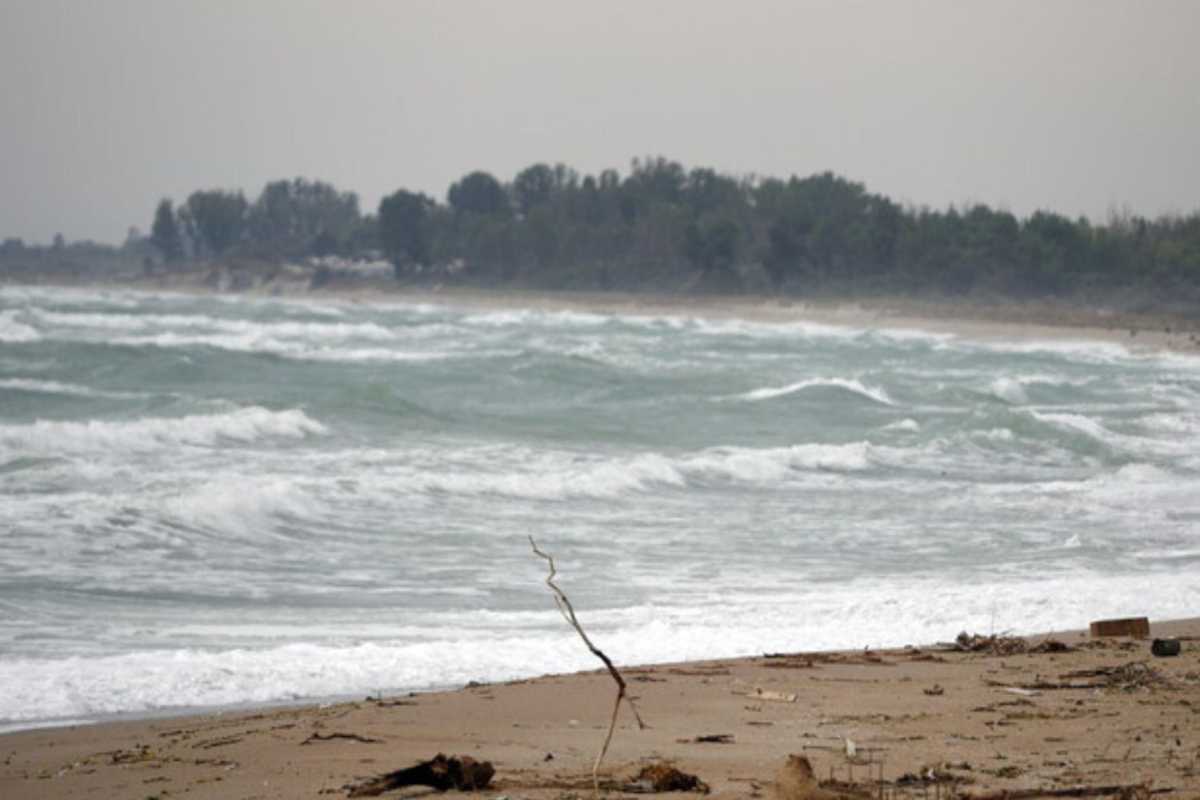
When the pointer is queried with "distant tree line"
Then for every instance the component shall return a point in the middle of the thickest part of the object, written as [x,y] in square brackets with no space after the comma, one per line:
[289,219]
[664,227]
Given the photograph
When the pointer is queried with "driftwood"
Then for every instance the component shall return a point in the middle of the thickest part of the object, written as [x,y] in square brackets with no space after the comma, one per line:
[442,773]
[1037,686]
[1130,791]
[352,737]
[758,693]
[709,738]
[568,612]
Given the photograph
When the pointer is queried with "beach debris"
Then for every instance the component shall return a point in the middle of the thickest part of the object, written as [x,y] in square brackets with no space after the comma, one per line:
[995,644]
[443,773]
[774,662]
[937,774]
[1165,647]
[759,693]
[568,612]
[701,671]
[797,781]
[709,738]
[379,703]
[664,777]
[351,737]
[139,754]
[935,691]
[1134,627]
[1134,675]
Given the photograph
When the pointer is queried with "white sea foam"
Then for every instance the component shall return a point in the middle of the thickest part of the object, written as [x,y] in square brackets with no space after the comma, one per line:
[1086,351]
[1080,424]
[1137,445]
[153,433]
[55,387]
[276,329]
[1010,390]
[907,335]
[311,350]
[772,330]
[536,318]
[908,425]
[851,385]
[869,612]
[13,330]
[561,476]
[241,503]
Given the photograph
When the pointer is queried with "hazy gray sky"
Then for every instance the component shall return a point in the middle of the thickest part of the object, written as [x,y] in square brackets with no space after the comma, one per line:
[1078,106]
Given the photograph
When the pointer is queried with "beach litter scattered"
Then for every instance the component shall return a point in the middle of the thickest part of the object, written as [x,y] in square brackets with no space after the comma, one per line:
[443,773]
[663,777]
[1001,645]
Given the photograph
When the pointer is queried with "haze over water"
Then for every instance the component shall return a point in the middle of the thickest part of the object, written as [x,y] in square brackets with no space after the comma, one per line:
[218,500]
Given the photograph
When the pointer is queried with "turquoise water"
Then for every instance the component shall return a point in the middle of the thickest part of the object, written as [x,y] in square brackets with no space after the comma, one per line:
[218,500]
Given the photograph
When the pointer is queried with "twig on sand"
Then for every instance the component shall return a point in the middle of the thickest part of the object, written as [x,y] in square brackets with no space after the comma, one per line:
[568,612]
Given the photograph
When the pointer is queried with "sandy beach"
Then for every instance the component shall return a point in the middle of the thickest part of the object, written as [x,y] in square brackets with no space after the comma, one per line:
[923,720]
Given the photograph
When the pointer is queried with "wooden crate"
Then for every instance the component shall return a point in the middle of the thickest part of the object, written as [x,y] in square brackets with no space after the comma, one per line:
[1136,627]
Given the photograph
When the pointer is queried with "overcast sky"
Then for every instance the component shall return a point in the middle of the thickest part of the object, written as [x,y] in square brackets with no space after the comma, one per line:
[1079,106]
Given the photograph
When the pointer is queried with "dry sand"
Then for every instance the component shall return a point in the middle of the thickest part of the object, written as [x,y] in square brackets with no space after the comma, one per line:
[929,720]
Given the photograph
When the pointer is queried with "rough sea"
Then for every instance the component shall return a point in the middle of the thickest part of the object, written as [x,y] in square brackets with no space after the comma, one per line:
[210,501]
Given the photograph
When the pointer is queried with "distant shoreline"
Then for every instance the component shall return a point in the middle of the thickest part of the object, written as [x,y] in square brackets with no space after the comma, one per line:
[1031,320]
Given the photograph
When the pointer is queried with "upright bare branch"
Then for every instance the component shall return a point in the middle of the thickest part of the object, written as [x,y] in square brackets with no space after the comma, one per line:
[568,612]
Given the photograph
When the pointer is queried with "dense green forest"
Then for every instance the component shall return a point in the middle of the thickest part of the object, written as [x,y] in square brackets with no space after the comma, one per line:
[666,228]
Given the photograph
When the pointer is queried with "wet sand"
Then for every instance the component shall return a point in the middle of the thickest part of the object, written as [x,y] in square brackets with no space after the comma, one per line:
[927,721]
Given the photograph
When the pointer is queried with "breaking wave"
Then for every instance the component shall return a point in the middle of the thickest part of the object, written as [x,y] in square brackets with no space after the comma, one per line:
[55,387]
[281,329]
[15,331]
[847,384]
[153,433]
[559,477]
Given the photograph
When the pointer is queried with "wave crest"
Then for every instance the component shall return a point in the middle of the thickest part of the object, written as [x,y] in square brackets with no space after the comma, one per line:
[851,385]
[152,433]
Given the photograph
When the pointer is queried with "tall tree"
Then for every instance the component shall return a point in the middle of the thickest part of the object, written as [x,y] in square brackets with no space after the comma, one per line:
[217,217]
[165,234]
[533,187]
[479,193]
[300,216]
[404,228]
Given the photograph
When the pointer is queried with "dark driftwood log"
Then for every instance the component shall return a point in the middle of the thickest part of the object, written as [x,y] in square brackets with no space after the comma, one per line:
[442,773]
